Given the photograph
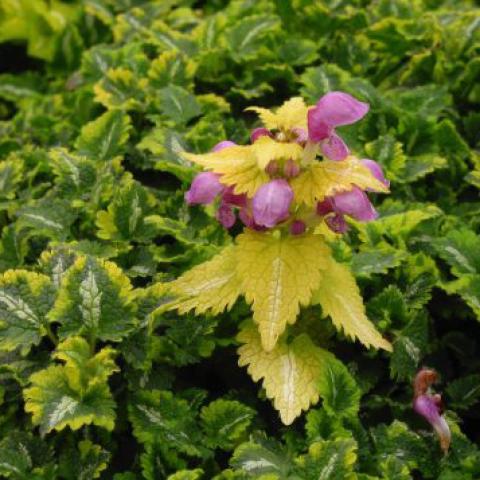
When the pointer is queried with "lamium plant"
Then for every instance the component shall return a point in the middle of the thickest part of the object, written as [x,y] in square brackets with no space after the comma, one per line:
[294,189]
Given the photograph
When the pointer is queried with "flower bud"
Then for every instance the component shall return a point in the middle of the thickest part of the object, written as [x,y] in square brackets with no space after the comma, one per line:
[225,215]
[204,188]
[259,132]
[335,148]
[223,144]
[291,169]
[376,170]
[297,227]
[271,203]
[336,223]
[325,207]
[272,168]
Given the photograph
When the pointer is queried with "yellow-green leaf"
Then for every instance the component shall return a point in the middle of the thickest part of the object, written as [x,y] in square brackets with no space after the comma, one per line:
[290,372]
[211,285]
[267,149]
[292,114]
[73,394]
[278,274]
[326,178]
[238,166]
[340,298]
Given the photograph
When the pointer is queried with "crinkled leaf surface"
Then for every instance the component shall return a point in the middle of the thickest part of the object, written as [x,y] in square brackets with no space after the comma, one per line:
[95,298]
[75,393]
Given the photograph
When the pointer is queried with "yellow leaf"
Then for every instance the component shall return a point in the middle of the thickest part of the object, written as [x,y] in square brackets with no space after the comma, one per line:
[209,286]
[292,114]
[326,178]
[237,165]
[277,276]
[290,373]
[267,149]
[340,298]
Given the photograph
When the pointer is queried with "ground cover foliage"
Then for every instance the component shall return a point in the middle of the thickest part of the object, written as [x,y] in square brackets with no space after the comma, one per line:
[98,100]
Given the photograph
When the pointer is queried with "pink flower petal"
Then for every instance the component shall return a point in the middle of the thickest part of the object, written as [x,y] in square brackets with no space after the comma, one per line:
[271,203]
[335,148]
[336,223]
[356,204]
[339,108]
[224,144]
[225,215]
[204,188]
[376,170]
[291,169]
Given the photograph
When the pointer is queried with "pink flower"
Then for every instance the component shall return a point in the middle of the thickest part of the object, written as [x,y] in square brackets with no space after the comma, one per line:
[204,188]
[336,223]
[376,170]
[429,406]
[354,203]
[225,215]
[271,203]
[334,109]
[291,169]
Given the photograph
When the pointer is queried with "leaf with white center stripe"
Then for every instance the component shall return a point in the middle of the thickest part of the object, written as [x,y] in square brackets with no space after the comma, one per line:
[75,393]
[278,275]
[291,372]
[95,299]
[160,417]
[340,298]
[124,220]
[25,300]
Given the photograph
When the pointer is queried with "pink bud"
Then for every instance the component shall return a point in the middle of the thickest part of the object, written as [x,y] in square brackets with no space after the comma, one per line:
[224,144]
[233,199]
[376,170]
[336,223]
[297,227]
[259,132]
[325,207]
[225,215]
[271,203]
[302,135]
[204,188]
[272,168]
[356,204]
[291,169]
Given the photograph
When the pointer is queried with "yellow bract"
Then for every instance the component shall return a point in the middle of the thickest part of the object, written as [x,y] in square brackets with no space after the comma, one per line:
[237,166]
[277,276]
[209,286]
[267,149]
[290,372]
[340,298]
[322,179]
[292,114]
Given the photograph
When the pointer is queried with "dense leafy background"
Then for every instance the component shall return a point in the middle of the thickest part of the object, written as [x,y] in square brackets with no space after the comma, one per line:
[97,99]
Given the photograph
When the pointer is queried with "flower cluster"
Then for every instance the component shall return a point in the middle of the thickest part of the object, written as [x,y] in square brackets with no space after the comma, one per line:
[290,142]
[429,405]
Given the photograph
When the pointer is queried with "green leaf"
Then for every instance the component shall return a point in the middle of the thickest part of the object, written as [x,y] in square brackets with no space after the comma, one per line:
[171,67]
[74,394]
[389,153]
[85,462]
[105,137]
[178,104]
[159,416]
[460,248]
[464,392]
[340,393]
[334,460]
[25,300]
[468,287]
[246,37]
[125,218]
[380,259]
[187,475]
[22,454]
[261,456]
[225,422]
[419,166]
[95,299]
